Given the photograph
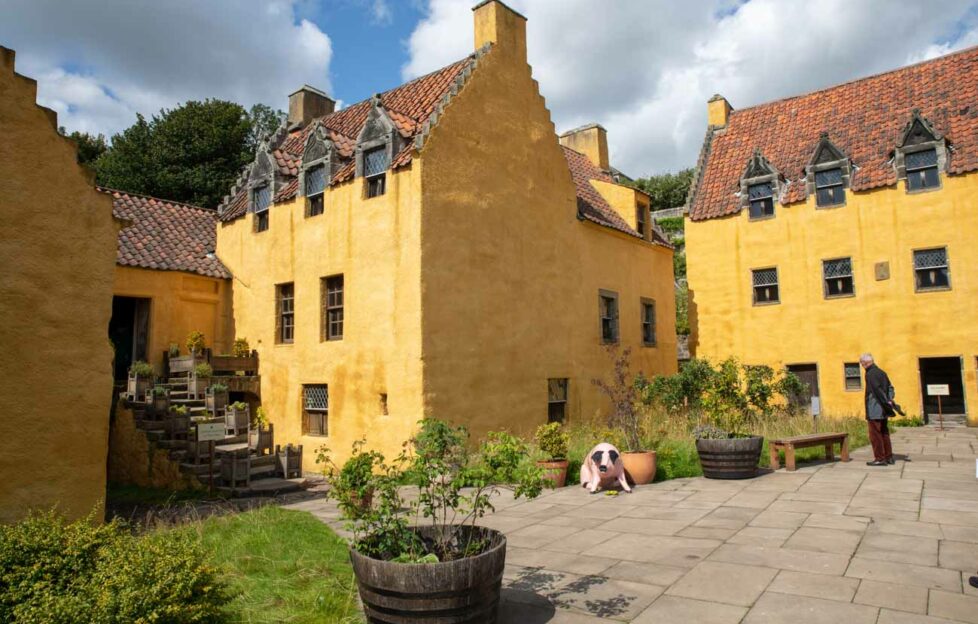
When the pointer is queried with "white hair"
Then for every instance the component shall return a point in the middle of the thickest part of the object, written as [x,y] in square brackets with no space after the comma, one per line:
[866,357]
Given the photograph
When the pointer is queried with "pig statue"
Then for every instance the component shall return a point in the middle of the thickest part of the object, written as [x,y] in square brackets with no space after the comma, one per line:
[602,468]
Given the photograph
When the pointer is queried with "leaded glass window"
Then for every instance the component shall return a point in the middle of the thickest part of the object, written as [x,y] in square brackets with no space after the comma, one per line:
[830,188]
[765,286]
[608,309]
[375,162]
[315,409]
[837,277]
[557,400]
[648,322]
[261,198]
[285,296]
[931,269]
[922,170]
[761,200]
[853,379]
[315,181]
[332,304]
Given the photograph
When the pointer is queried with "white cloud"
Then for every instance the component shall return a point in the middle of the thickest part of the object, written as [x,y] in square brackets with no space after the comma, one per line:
[381,12]
[98,63]
[645,70]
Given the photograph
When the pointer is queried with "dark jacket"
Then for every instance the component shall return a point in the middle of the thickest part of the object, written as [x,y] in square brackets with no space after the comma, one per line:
[879,394]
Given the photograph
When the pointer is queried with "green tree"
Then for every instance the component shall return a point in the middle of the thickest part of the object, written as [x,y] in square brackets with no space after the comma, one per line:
[90,146]
[667,190]
[192,153]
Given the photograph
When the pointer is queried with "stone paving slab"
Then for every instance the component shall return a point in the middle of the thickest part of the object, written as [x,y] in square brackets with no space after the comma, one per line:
[839,543]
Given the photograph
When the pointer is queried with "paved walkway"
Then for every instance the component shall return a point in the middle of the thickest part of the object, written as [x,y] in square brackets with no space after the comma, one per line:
[835,543]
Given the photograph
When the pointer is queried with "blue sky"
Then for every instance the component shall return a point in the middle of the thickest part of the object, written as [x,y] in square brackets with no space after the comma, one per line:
[642,68]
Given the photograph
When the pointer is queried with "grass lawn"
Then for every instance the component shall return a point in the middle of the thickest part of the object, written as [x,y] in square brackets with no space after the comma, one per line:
[284,566]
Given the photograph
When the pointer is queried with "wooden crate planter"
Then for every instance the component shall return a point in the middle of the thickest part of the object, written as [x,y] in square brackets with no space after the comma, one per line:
[235,470]
[289,461]
[177,426]
[237,421]
[231,364]
[137,387]
[260,440]
[215,402]
[197,386]
[183,364]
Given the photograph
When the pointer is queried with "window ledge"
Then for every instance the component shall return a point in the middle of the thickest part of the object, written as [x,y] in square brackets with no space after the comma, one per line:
[847,296]
[649,345]
[759,304]
[920,191]
[935,289]
[765,218]
[830,206]
[284,344]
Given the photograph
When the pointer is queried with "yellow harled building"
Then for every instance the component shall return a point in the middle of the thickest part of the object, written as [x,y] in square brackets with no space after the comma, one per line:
[438,250]
[840,222]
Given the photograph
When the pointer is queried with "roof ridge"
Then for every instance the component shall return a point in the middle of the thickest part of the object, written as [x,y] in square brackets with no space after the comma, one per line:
[944,57]
[110,190]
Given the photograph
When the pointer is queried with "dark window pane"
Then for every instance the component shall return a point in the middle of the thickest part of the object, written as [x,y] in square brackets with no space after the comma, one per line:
[933,278]
[761,208]
[837,286]
[556,412]
[316,205]
[261,221]
[829,177]
[376,186]
[830,196]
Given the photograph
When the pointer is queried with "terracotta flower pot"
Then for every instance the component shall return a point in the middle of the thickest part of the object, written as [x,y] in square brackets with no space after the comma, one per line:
[554,471]
[639,466]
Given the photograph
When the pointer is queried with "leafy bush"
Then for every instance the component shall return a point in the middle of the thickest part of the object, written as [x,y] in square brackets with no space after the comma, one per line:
[906,421]
[181,410]
[239,406]
[141,369]
[552,440]
[53,571]
[710,432]
[218,388]
[195,342]
[160,391]
[174,350]
[353,483]
[203,370]
[501,455]
[671,225]
[240,348]
[261,417]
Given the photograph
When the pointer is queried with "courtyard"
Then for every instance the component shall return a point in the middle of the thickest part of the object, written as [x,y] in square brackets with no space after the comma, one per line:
[831,542]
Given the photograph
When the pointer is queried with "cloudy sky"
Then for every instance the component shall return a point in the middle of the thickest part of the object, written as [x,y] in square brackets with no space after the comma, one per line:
[642,68]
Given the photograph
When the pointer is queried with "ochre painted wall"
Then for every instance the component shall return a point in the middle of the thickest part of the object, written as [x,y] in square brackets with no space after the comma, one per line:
[885,317]
[180,303]
[57,250]
[374,243]
[510,276]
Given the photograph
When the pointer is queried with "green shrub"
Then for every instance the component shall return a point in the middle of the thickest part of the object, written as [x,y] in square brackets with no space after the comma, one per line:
[174,350]
[195,343]
[353,483]
[501,456]
[159,391]
[552,440]
[240,348]
[53,571]
[203,370]
[261,418]
[239,406]
[218,388]
[670,225]
[907,421]
[141,369]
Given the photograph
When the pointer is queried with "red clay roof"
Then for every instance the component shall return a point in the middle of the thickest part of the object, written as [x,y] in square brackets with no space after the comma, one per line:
[166,235]
[590,204]
[865,118]
[408,105]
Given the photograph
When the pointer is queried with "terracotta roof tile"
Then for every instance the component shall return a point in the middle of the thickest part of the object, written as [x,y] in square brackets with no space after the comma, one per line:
[166,235]
[864,118]
[590,204]
[408,105]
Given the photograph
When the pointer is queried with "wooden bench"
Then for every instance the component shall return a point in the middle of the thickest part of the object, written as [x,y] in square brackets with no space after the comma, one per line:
[788,445]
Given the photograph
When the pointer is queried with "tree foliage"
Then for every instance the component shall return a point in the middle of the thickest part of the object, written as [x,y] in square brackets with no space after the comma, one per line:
[90,146]
[192,153]
[667,190]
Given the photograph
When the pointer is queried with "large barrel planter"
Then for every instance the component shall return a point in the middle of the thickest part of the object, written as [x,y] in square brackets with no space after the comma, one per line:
[450,592]
[731,458]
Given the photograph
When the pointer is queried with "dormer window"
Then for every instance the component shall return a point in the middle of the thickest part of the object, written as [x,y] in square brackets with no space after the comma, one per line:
[261,198]
[758,187]
[640,219]
[761,200]
[921,155]
[922,170]
[315,188]
[317,169]
[375,163]
[827,174]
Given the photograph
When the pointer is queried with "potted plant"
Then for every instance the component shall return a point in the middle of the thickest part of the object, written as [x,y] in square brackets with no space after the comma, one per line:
[199,379]
[241,348]
[352,484]
[237,418]
[174,350]
[161,401]
[186,363]
[639,463]
[178,421]
[195,343]
[553,444]
[260,433]
[447,568]
[725,455]
[140,378]
[216,398]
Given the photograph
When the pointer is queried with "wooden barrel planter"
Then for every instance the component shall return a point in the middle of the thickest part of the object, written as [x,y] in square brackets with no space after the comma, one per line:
[731,458]
[451,592]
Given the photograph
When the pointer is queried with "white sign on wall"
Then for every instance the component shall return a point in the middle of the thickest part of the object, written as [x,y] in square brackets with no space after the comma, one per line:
[938,389]
[210,432]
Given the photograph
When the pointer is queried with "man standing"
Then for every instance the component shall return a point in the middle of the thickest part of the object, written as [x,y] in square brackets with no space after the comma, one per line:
[879,407]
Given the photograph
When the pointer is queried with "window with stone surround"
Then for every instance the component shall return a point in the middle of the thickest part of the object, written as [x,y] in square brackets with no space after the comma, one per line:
[315,409]
[765,286]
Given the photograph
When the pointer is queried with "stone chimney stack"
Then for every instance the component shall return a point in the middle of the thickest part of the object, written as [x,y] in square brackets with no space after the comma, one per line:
[590,140]
[307,104]
[718,111]
[501,26]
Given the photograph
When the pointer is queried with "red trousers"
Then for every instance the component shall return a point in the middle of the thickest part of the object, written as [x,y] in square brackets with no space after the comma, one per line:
[879,437]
